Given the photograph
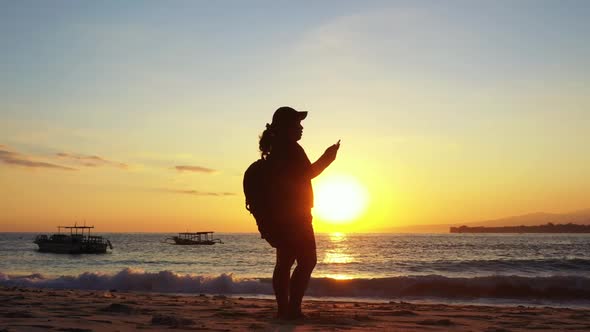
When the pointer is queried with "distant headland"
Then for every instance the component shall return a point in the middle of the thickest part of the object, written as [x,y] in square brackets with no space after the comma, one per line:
[579,217]
[547,228]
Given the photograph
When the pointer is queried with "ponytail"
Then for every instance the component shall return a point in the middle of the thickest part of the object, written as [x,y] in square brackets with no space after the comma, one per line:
[266,141]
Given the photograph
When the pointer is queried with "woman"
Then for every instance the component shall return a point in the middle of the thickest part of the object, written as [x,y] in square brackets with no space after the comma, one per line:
[291,230]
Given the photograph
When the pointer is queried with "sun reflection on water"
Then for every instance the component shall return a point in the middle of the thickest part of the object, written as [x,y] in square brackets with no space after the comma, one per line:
[337,236]
[337,253]
[337,258]
[339,276]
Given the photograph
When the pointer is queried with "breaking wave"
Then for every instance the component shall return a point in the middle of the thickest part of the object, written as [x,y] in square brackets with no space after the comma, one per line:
[563,288]
[138,280]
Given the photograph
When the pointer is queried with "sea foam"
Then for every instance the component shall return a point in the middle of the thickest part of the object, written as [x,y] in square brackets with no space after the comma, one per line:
[138,280]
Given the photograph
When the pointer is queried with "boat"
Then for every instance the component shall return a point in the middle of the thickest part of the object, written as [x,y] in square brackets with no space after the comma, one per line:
[196,238]
[79,241]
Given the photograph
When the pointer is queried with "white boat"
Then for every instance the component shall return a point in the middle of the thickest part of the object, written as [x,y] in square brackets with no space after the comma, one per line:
[77,242]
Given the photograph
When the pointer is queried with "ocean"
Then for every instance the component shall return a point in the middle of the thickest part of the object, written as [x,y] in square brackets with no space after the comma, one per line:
[535,269]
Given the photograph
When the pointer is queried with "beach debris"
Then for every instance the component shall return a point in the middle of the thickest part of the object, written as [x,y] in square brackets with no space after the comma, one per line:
[403,313]
[119,308]
[231,313]
[496,329]
[361,317]
[436,322]
[579,316]
[107,295]
[171,321]
[19,314]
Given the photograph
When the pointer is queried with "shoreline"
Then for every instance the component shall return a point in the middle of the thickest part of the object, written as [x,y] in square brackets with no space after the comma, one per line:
[40,309]
[486,302]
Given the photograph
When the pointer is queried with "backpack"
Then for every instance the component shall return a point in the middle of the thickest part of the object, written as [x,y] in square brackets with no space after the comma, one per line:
[257,191]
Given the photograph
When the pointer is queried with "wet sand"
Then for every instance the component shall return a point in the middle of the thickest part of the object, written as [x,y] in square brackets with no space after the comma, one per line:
[29,309]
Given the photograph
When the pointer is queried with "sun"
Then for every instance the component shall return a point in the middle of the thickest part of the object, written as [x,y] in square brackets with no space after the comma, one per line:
[339,199]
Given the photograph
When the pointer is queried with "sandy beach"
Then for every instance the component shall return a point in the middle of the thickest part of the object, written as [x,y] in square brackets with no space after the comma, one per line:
[30,309]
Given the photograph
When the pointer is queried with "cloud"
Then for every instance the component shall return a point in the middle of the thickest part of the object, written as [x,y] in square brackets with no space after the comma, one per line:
[18,159]
[90,160]
[196,169]
[197,192]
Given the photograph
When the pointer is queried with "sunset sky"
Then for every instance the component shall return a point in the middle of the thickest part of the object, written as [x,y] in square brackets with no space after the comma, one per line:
[143,115]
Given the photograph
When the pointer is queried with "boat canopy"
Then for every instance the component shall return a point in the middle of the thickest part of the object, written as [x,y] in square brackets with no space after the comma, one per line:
[74,229]
[198,236]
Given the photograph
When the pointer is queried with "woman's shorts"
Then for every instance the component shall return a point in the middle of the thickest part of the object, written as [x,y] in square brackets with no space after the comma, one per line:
[292,236]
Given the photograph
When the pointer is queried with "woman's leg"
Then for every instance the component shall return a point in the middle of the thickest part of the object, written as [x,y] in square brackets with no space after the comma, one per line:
[306,260]
[280,279]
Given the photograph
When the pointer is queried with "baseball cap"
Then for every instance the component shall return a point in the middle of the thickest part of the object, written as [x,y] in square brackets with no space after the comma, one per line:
[286,115]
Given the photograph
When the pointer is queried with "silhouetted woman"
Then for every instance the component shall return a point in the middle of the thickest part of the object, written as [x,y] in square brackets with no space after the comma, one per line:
[291,230]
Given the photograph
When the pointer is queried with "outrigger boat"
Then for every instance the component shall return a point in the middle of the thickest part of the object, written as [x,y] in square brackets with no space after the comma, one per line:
[197,238]
[75,243]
